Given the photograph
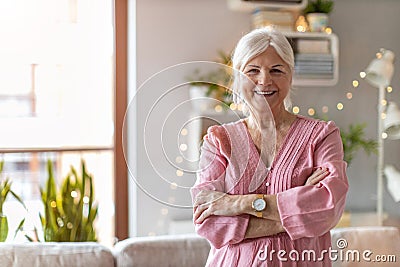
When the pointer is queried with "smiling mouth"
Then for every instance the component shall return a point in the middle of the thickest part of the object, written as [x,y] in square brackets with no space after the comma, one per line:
[267,93]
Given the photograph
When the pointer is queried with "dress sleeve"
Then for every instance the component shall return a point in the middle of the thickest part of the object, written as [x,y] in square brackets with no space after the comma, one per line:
[310,211]
[219,230]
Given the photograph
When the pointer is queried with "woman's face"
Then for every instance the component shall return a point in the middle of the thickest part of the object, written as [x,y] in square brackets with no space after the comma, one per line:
[272,78]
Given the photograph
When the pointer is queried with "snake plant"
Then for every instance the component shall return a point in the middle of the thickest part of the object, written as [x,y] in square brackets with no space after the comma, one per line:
[5,191]
[69,211]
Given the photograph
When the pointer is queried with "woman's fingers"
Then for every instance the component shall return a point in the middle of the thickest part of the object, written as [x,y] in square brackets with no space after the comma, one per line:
[198,211]
[209,203]
[203,203]
[318,175]
[201,213]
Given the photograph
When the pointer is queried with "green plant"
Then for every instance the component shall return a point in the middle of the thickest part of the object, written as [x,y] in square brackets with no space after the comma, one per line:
[319,6]
[5,190]
[354,139]
[69,212]
[215,80]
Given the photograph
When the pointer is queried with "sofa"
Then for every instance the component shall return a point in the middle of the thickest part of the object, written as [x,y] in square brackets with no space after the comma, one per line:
[183,250]
[366,246]
[173,250]
[51,254]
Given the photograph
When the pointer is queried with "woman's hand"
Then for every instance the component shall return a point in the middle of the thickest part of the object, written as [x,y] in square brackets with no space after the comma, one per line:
[318,175]
[210,202]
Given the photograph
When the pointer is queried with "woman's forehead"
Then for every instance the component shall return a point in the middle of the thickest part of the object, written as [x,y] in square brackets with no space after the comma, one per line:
[268,57]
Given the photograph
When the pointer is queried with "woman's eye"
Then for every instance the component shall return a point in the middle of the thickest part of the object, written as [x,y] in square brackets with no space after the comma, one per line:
[276,71]
[252,71]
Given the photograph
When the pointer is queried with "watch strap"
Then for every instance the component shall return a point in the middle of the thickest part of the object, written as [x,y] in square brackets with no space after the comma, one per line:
[259,214]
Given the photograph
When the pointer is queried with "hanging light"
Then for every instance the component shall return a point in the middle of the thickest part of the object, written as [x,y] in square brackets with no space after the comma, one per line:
[391,124]
[393,182]
[380,71]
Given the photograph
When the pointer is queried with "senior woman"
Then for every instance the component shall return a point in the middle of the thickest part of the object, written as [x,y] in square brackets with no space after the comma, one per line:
[268,191]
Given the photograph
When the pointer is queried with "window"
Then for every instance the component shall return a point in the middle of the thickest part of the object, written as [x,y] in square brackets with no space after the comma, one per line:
[56,100]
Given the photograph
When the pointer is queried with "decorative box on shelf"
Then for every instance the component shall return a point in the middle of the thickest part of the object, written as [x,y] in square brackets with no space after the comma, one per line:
[316,58]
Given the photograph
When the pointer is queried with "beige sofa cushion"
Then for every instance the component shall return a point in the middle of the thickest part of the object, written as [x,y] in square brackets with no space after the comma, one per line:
[55,255]
[175,250]
[381,241]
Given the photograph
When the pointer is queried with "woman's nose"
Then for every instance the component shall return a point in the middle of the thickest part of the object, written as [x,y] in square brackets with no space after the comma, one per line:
[264,78]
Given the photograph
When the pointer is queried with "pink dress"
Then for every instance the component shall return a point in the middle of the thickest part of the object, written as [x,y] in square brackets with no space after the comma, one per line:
[229,163]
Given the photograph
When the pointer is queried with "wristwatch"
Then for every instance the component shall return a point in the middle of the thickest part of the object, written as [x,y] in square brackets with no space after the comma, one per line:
[259,205]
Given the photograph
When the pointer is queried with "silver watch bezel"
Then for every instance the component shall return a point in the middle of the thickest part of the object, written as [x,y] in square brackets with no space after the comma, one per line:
[257,202]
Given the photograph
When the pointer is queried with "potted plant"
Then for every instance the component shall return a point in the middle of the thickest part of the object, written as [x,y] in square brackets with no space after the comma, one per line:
[354,139]
[69,212]
[205,90]
[5,191]
[317,14]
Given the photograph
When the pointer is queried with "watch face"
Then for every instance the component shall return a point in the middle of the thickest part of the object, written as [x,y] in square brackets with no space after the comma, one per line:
[259,204]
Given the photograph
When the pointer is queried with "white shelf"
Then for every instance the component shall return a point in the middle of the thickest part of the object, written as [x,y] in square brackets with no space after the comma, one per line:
[251,5]
[333,50]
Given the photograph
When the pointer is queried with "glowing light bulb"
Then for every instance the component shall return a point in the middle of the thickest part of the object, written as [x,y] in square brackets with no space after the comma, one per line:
[384,135]
[339,106]
[349,95]
[300,28]
[296,110]
[233,106]
[178,159]
[74,194]
[173,186]
[184,131]
[179,173]
[356,83]
[183,147]
[389,89]
[363,74]
[311,112]
[218,108]
[328,30]
[384,102]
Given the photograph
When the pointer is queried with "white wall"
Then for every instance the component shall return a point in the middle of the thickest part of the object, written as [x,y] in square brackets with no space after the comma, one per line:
[363,27]
[177,31]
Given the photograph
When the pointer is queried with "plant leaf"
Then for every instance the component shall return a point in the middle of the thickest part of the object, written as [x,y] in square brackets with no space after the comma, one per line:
[19,228]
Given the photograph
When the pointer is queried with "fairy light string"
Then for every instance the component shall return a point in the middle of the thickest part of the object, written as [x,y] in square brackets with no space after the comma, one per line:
[340,104]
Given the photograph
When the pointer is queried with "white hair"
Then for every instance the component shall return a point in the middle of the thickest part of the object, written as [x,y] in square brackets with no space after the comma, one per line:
[255,43]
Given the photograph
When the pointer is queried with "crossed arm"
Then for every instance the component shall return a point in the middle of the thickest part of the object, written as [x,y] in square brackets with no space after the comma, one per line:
[208,202]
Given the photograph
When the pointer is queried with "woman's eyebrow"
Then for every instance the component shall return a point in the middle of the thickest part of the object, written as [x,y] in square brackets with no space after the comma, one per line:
[253,66]
[256,66]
